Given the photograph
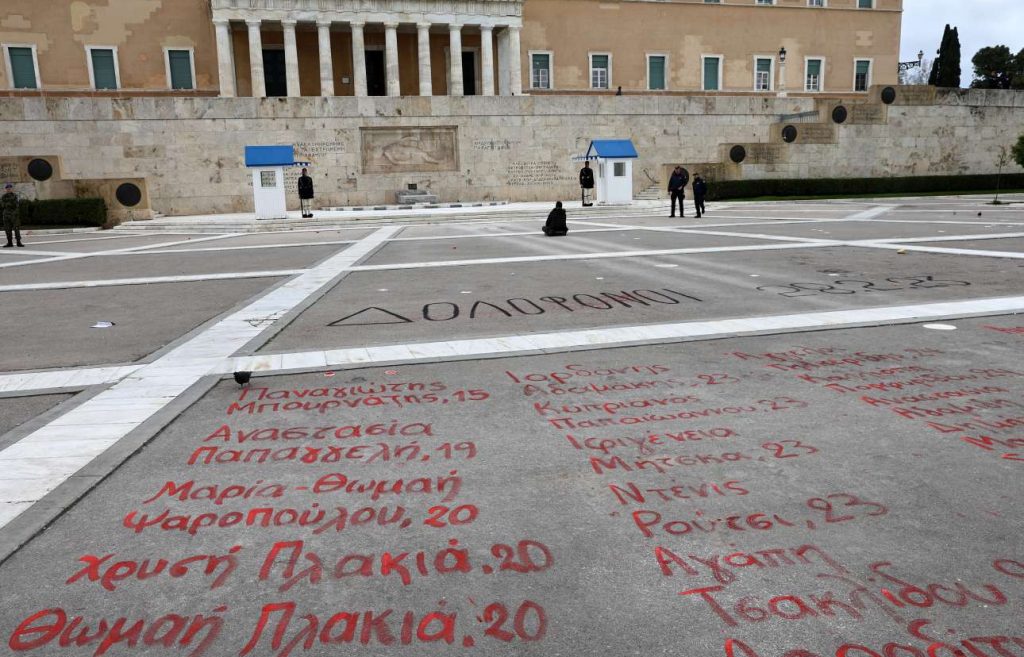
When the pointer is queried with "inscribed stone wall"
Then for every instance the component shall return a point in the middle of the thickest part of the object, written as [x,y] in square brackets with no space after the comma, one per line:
[481,149]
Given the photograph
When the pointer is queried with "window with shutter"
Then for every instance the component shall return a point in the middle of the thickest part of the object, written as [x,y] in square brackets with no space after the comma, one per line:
[23,68]
[104,72]
[656,72]
[180,64]
[711,81]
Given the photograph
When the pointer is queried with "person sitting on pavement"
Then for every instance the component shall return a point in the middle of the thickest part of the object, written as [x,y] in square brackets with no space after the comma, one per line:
[555,226]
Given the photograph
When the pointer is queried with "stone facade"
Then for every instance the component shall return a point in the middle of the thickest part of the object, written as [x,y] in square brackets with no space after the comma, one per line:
[402,47]
[189,152]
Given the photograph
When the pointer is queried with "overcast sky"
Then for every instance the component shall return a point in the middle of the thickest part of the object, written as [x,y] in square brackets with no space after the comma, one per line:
[981,22]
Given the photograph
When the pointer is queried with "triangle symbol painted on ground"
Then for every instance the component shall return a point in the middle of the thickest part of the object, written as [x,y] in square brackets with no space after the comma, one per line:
[387,317]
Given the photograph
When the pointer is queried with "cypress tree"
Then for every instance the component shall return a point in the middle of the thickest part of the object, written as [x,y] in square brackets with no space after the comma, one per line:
[933,79]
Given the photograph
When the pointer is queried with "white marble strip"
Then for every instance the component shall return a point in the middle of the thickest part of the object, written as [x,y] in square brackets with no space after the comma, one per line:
[63,379]
[113,282]
[937,249]
[677,230]
[947,238]
[871,213]
[30,250]
[40,462]
[593,256]
[64,255]
[609,337]
[252,247]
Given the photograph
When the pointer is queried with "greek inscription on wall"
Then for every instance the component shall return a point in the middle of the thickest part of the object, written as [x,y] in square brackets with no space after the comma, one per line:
[9,171]
[409,150]
[308,150]
[494,144]
[526,174]
[863,114]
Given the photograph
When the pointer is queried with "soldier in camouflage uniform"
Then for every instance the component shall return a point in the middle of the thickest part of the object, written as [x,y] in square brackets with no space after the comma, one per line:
[12,222]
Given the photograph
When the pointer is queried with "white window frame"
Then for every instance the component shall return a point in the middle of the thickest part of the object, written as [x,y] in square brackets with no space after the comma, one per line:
[821,76]
[92,74]
[647,59]
[764,3]
[191,61]
[771,72]
[590,60]
[871,72]
[10,69]
[871,7]
[551,68]
[721,72]
[823,5]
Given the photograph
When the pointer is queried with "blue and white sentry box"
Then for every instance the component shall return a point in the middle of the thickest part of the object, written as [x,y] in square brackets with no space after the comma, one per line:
[614,169]
[268,164]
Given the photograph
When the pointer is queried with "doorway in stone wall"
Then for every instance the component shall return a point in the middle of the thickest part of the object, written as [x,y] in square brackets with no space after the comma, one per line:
[376,73]
[469,72]
[274,72]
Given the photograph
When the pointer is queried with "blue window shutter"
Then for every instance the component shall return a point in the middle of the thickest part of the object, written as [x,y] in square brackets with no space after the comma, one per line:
[103,69]
[23,68]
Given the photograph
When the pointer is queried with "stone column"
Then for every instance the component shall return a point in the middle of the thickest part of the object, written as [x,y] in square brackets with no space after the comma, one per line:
[291,58]
[515,61]
[455,59]
[323,29]
[423,42]
[259,86]
[487,55]
[225,60]
[358,59]
[391,58]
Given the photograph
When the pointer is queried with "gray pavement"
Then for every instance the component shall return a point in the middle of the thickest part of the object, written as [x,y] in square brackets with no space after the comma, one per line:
[847,488]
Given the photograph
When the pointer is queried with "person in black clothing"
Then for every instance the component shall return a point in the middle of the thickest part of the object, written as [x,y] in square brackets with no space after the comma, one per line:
[677,191]
[555,226]
[700,190]
[587,184]
[306,194]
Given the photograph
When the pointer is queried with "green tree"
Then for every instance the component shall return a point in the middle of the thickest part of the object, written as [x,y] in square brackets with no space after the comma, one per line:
[1018,151]
[949,72]
[994,68]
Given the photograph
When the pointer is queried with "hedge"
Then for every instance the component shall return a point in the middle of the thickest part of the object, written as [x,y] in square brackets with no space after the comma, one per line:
[64,212]
[730,189]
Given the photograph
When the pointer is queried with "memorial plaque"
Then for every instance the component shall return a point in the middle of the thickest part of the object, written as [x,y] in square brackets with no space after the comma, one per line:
[128,194]
[789,134]
[737,154]
[40,169]
[410,150]
[839,114]
[888,95]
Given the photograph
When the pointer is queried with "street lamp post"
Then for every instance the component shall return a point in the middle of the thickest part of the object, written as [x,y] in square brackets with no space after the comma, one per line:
[782,72]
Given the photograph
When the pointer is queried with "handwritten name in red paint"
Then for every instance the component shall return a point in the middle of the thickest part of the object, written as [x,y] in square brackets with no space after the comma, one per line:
[796,353]
[341,392]
[782,449]
[721,568]
[302,565]
[892,596]
[575,371]
[226,434]
[45,627]
[630,493]
[971,407]
[933,646]
[372,627]
[369,401]
[994,425]
[343,518]
[931,396]
[763,405]
[554,389]
[652,523]
[547,409]
[97,569]
[645,444]
[1009,329]
[383,452]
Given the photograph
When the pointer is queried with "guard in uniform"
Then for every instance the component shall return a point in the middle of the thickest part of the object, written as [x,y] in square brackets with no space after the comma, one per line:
[12,221]
[306,194]
[587,184]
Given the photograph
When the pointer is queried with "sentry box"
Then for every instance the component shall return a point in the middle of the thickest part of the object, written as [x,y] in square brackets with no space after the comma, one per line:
[614,170]
[268,164]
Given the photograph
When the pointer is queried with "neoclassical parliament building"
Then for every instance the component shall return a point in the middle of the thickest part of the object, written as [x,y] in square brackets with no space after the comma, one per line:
[446,47]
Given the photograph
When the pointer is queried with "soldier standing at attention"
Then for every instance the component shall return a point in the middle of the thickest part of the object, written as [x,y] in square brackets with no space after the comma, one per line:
[305,194]
[12,222]
[587,184]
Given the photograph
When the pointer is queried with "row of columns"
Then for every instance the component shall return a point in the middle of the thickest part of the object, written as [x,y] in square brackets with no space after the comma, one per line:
[227,74]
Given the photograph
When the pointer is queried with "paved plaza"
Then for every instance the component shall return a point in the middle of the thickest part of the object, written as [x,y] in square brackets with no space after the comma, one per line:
[781,429]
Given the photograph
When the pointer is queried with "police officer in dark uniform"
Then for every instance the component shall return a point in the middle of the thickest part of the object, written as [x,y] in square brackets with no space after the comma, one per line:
[677,191]
[700,190]
[587,184]
[12,221]
[306,194]
[555,226]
